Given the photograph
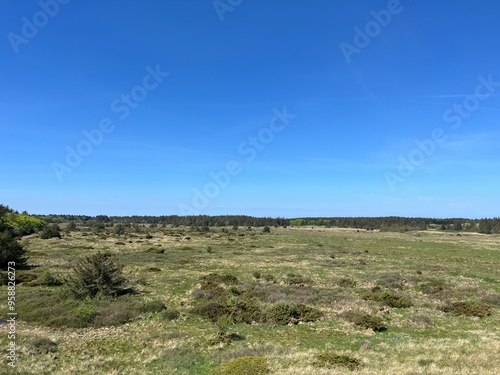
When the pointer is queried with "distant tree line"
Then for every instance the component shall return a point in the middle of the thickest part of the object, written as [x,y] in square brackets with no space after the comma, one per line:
[174,220]
[387,223]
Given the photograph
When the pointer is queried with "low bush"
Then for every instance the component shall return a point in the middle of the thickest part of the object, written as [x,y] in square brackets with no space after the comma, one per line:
[212,311]
[366,321]
[115,314]
[50,231]
[244,311]
[331,360]
[250,365]
[48,279]
[283,314]
[170,314]
[152,306]
[42,345]
[295,279]
[433,287]
[387,298]
[226,278]
[213,290]
[346,283]
[397,301]
[467,309]
[391,280]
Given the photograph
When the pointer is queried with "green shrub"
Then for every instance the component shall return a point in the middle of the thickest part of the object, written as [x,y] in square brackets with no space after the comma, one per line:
[226,278]
[47,279]
[294,279]
[391,280]
[170,314]
[346,283]
[249,365]
[71,227]
[398,301]
[119,229]
[387,298]
[50,231]
[331,360]
[307,314]
[467,309]
[95,276]
[366,321]
[42,345]
[86,311]
[152,306]
[212,311]
[283,314]
[433,287]
[213,290]
[244,311]
[11,251]
[115,314]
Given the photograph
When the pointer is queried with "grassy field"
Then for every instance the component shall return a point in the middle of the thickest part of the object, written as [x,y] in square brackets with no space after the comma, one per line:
[405,282]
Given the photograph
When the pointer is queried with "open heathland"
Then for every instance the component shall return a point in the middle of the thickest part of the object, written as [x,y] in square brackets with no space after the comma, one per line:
[294,300]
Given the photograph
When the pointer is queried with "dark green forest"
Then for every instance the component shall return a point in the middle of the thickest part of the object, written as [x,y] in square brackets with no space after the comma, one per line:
[387,223]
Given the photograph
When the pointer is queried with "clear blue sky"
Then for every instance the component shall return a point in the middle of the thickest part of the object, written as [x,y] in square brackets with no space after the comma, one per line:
[355,106]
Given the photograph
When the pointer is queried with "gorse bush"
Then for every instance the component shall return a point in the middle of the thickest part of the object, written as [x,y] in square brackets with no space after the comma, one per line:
[95,276]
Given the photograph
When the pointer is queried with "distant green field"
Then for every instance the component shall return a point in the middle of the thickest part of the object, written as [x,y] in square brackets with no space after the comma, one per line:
[372,303]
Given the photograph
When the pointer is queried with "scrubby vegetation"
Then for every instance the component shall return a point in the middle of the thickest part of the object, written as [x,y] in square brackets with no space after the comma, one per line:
[11,250]
[467,309]
[245,366]
[51,231]
[95,276]
[332,360]
[151,299]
